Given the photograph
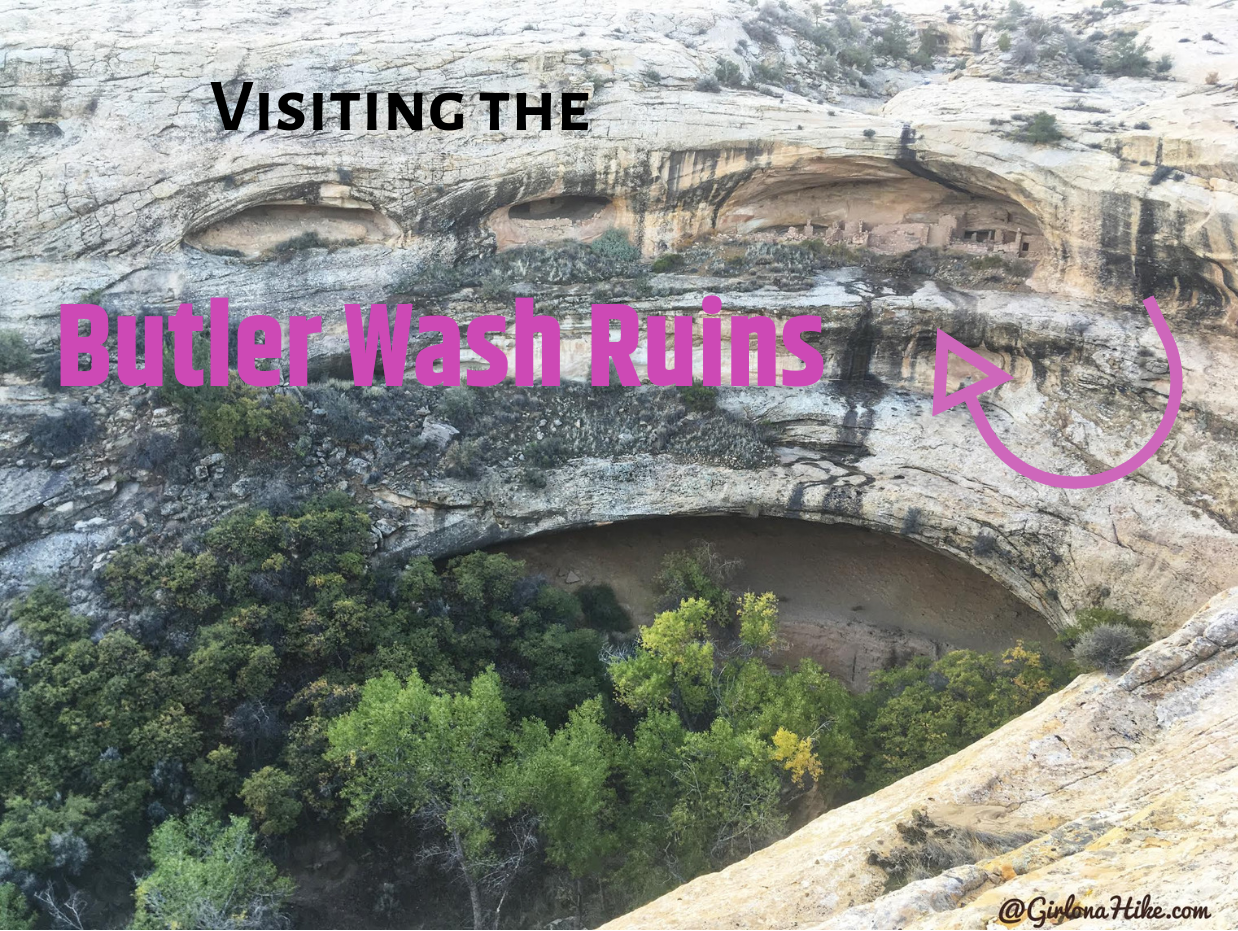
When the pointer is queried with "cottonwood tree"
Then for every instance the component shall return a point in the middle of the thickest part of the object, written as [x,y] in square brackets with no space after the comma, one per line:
[706,672]
[723,740]
[569,778]
[451,761]
[207,874]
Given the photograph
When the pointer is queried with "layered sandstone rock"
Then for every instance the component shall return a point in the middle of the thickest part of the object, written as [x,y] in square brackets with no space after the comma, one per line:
[119,185]
[118,166]
[1125,784]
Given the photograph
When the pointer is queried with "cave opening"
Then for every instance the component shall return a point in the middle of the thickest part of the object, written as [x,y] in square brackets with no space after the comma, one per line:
[281,229]
[882,208]
[568,207]
[578,217]
[854,600]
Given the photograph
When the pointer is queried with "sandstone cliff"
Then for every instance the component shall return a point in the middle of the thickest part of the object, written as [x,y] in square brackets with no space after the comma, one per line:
[1121,787]
[119,185]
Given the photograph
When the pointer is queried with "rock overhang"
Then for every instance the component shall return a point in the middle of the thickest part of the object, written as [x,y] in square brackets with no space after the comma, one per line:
[140,178]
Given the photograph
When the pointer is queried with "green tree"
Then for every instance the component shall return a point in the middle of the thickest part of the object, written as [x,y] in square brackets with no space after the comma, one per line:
[1128,58]
[206,874]
[103,732]
[14,909]
[698,800]
[269,794]
[925,711]
[482,610]
[569,783]
[893,40]
[758,622]
[448,761]
[674,664]
[809,715]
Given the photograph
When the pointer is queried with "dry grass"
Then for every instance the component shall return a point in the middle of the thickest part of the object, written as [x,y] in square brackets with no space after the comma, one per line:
[929,849]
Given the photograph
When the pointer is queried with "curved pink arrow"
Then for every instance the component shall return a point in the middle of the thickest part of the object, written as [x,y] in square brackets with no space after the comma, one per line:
[947,344]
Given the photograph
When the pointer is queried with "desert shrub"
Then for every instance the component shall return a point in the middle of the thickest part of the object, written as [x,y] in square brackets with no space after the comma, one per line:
[1128,58]
[1038,28]
[494,287]
[1091,618]
[708,84]
[245,418]
[1105,646]
[458,406]
[987,262]
[928,849]
[601,608]
[1086,57]
[699,397]
[1041,129]
[870,133]
[769,74]
[548,452]
[858,56]
[614,246]
[728,74]
[14,353]
[1164,64]
[1024,52]
[532,477]
[463,459]
[668,262]
[1015,13]
[235,417]
[151,449]
[1143,125]
[62,433]
[342,416]
[1003,42]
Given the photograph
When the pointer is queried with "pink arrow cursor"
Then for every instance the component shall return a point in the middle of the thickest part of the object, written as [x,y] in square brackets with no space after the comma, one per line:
[994,376]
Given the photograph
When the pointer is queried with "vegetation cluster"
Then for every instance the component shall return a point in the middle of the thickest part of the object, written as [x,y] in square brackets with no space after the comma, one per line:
[519,755]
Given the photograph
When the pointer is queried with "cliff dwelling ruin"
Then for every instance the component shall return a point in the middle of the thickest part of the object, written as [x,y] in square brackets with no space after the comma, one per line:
[888,216]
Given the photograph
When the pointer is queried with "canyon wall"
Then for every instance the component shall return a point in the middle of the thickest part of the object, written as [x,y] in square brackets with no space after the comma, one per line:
[119,186]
